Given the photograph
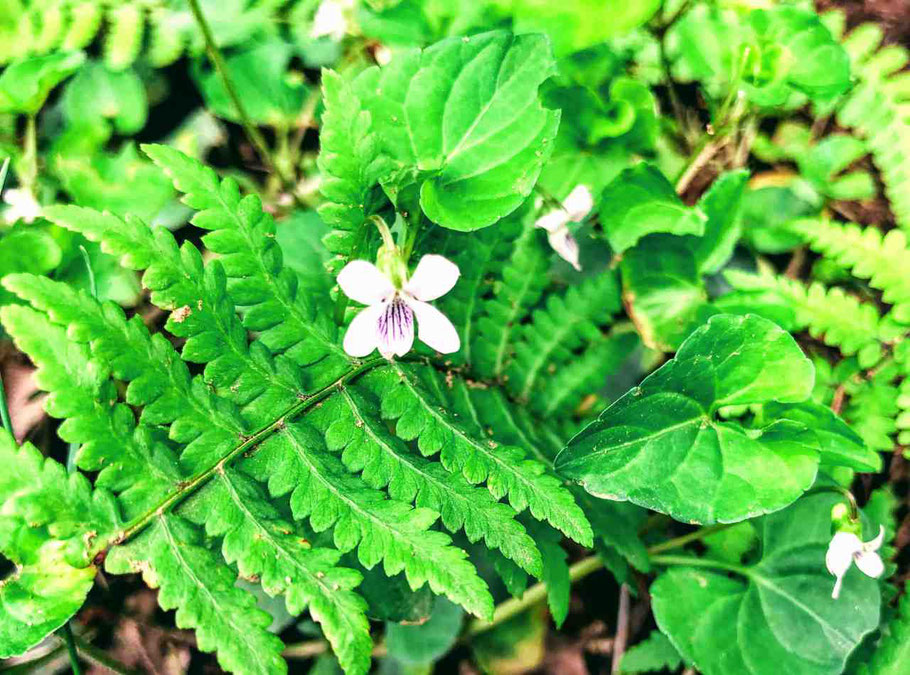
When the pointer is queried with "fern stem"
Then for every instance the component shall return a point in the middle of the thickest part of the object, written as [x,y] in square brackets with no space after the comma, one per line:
[67,633]
[189,486]
[29,174]
[218,61]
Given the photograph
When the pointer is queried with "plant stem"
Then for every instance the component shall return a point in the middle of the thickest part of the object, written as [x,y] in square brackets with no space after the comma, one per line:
[699,562]
[67,633]
[30,155]
[217,59]
[513,606]
[4,409]
[186,488]
[99,658]
[679,542]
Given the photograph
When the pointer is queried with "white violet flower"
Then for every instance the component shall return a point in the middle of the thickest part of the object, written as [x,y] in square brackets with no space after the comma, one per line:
[330,20]
[846,548]
[574,209]
[22,205]
[387,323]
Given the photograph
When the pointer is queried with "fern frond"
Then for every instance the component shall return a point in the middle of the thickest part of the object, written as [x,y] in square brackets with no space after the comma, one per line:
[420,416]
[126,28]
[194,581]
[135,461]
[231,506]
[159,380]
[267,548]
[351,426]
[201,311]
[478,256]
[830,315]
[296,461]
[872,409]
[882,258]
[257,281]
[564,390]
[878,107]
[523,279]
[557,331]
[351,167]
[892,654]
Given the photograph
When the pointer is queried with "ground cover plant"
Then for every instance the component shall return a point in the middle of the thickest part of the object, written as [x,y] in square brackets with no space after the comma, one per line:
[413,336]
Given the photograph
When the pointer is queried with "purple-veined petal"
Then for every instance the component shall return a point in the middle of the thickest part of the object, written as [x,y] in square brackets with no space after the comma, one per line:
[395,329]
[565,245]
[870,563]
[363,334]
[434,277]
[362,282]
[434,328]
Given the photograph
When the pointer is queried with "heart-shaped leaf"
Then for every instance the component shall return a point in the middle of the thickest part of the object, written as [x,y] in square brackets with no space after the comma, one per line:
[464,119]
[776,616]
[661,445]
[641,201]
[39,597]
[25,84]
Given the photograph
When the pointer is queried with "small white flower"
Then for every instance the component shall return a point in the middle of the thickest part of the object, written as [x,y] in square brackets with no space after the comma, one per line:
[330,20]
[387,323]
[22,205]
[574,209]
[846,548]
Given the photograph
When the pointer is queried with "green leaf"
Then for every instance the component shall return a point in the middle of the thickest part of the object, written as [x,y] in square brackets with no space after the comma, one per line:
[641,201]
[98,93]
[426,642]
[662,447]
[773,616]
[47,518]
[464,120]
[27,250]
[721,205]
[654,653]
[25,84]
[662,289]
[39,596]
[122,182]
[574,25]
[270,94]
[840,445]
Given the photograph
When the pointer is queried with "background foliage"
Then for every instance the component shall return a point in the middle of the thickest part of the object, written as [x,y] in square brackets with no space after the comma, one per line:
[631,465]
